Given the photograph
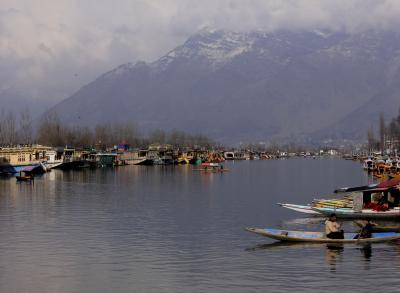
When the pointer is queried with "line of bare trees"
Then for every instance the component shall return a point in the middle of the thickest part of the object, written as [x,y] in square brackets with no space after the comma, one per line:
[15,128]
[53,132]
[389,135]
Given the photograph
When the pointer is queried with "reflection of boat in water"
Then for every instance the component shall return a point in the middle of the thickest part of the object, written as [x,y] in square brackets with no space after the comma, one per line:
[319,237]
[285,244]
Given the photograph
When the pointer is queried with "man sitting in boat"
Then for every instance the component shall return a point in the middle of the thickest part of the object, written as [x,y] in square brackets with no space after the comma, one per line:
[366,230]
[332,228]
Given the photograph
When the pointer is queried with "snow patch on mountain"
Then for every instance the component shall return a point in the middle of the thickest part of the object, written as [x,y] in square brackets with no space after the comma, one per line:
[215,47]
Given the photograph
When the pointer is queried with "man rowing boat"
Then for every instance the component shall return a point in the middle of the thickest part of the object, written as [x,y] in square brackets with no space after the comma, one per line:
[332,228]
[366,230]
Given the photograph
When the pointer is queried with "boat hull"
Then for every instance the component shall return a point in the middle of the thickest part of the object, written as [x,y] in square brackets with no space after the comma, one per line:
[348,213]
[36,168]
[135,161]
[51,165]
[146,162]
[380,228]
[72,165]
[319,237]
[24,178]
[300,208]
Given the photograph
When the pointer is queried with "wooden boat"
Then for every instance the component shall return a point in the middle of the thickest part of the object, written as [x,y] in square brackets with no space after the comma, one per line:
[319,237]
[362,214]
[372,202]
[306,209]
[380,228]
[320,203]
[24,176]
[212,167]
[212,170]
[357,188]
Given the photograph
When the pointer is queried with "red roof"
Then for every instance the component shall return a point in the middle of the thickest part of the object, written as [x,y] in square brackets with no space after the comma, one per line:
[389,183]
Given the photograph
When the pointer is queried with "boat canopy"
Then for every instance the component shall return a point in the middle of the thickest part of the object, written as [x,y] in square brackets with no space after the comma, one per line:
[389,183]
[372,190]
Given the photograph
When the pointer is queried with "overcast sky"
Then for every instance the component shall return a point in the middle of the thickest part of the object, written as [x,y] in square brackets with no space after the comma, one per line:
[53,47]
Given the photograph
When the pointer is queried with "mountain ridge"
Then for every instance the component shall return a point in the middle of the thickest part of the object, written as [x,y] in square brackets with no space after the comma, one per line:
[245,86]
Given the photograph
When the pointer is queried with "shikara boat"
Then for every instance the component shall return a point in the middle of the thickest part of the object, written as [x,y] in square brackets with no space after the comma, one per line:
[211,167]
[306,209]
[319,237]
[362,214]
[24,176]
[380,228]
[377,201]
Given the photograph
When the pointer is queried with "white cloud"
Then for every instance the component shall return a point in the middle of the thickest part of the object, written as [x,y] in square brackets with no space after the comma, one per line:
[54,47]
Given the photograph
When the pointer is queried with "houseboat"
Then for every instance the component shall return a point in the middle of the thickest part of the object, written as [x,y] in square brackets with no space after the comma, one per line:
[53,159]
[133,157]
[236,156]
[20,158]
[105,160]
[73,159]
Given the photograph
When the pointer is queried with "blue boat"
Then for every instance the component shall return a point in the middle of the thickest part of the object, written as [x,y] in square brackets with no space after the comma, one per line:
[319,237]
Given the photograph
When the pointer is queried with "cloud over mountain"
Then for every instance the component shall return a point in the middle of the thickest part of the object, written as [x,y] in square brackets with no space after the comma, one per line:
[54,47]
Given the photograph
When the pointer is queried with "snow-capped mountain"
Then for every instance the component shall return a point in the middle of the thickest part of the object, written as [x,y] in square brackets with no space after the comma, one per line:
[247,86]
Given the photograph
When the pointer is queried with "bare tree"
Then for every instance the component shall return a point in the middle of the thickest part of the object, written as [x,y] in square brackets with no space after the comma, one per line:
[102,134]
[25,127]
[371,139]
[51,131]
[2,127]
[382,131]
[158,136]
[178,138]
[125,132]
[8,128]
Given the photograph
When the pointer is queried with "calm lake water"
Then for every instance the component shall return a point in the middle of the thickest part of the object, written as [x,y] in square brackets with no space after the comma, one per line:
[172,229]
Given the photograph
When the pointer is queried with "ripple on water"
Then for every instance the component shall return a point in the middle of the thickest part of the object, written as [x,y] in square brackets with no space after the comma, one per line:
[174,230]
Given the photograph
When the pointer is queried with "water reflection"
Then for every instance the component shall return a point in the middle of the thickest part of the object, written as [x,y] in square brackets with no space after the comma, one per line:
[173,229]
[282,245]
[334,252]
[366,250]
[333,255]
